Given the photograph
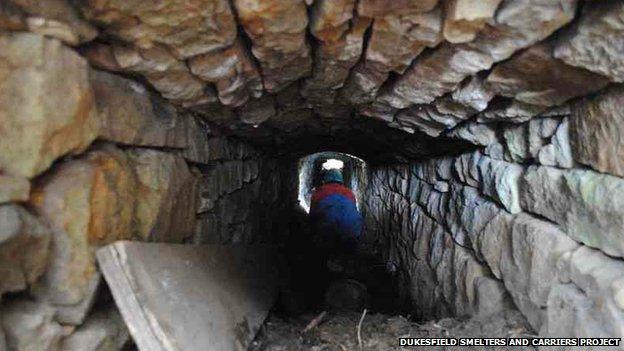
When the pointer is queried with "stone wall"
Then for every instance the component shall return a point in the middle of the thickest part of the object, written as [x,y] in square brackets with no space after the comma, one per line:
[242,195]
[522,223]
[88,158]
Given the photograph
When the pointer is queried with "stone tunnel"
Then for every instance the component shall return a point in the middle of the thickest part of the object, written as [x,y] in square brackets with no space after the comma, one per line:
[488,134]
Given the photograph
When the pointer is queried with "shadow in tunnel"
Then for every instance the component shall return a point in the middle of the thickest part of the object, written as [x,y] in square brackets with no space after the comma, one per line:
[324,267]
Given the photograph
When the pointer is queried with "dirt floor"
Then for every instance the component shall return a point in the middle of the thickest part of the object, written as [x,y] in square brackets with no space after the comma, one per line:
[338,332]
[352,282]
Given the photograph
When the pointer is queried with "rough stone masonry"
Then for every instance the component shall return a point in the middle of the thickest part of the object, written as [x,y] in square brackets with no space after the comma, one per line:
[493,129]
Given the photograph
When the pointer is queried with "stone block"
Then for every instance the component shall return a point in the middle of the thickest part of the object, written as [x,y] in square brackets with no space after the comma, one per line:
[395,41]
[584,203]
[30,326]
[186,28]
[596,125]
[465,18]
[216,148]
[232,71]
[529,267]
[466,213]
[558,153]
[490,296]
[596,41]
[535,77]
[59,19]
[500,180]
[88,202]
[133,115]
[473,94]
[166,73]
[466,271]
[257,111]
[277,31]
[76,314]
[494,241]
[381,8]
[516,25]
[466,169]
[341,39]
[509,110]
[523,143]
[24,248]
[166,196]
[571,314]
[601,278]
[47,106]
[13,189]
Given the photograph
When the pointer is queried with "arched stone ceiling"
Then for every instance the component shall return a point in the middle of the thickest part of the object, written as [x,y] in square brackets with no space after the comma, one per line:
[337,73]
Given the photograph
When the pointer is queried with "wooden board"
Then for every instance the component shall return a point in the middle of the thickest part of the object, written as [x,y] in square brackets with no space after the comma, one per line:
[190,297]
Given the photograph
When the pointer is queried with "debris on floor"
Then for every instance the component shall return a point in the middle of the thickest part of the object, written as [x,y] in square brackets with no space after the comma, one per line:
[379,332]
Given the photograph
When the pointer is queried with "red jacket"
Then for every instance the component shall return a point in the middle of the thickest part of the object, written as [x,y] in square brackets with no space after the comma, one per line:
[330,189]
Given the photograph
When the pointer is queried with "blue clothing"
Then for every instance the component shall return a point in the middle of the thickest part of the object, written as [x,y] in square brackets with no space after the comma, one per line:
[335,217]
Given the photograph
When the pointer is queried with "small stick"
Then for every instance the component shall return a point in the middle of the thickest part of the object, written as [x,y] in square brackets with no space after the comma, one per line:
[359,328]
[314,322]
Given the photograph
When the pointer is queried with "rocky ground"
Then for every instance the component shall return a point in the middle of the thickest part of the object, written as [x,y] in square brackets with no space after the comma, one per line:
[338,331]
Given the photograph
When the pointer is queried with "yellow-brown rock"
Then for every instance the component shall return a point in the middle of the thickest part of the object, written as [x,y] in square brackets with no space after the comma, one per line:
[47,107]
[330,19]
[156,59]
[168,75]
[88,202]
[465,18]
[187,28]
[517,25]
[341,39]
[277,29]
[112,197]
[394,42]
[160,37]
[166,196]
[232,71]
[380,8]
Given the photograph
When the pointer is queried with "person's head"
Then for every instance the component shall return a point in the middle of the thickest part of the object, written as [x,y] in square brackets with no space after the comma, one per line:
[332,176]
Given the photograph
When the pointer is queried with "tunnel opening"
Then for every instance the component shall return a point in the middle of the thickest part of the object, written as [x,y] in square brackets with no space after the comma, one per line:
[481,140]
[311,167]
[316,265]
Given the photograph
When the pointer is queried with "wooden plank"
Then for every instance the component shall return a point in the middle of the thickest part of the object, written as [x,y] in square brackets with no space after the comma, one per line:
[191,297]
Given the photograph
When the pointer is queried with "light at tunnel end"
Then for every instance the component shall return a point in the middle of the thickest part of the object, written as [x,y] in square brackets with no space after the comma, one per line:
[332,163]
